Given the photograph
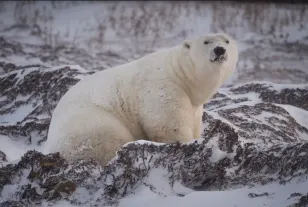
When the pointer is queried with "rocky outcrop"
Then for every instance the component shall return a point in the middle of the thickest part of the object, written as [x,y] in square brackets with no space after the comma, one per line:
[33,94]
[253,134]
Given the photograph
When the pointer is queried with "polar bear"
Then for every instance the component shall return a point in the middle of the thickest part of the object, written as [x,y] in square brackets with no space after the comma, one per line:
[158,98]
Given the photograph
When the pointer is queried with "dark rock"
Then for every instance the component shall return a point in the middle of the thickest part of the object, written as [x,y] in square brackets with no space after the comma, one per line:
[2,157]
[302,202]
[255,195]
[14,204]
[294,195]
[293,96]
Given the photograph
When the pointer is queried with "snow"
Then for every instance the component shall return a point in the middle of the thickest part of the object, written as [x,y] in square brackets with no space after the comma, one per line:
[18,115]
[300,115]
[278,197]
[14,149]
[217,116]
[58,204]
[9,190]
[279,87]
[217,153]
[143,142]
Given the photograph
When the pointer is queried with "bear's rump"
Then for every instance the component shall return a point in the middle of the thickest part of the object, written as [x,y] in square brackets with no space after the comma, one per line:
[88,133]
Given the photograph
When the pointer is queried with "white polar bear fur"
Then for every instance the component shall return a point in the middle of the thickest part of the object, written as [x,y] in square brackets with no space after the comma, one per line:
[158,98]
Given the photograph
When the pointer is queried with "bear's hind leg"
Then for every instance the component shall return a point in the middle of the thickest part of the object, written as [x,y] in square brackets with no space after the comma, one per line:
[91,134]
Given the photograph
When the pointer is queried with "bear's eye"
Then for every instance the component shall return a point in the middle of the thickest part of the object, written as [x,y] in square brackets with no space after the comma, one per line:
[227,41]
[206,42]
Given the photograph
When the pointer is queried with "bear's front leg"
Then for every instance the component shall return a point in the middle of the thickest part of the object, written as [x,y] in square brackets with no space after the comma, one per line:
[167,135]
[198,122]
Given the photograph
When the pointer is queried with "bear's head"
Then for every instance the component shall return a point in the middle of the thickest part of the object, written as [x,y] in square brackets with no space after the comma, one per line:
[216,51]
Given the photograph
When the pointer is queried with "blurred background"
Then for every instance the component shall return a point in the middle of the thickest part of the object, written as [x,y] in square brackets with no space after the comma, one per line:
[273,38]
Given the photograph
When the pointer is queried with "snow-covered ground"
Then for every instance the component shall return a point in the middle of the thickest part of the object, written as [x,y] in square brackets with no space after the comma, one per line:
[45,48]
[272,195]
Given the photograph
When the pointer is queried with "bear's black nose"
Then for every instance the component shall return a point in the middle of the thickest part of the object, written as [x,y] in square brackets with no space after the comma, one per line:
[219,51]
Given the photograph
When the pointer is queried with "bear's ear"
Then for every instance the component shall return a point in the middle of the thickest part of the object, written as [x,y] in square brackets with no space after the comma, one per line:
[187,44]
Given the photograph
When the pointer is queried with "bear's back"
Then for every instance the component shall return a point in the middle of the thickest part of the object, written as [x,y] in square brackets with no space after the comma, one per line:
[102,88]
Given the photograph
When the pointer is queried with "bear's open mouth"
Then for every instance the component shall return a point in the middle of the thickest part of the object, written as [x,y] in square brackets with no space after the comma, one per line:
[219,59]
